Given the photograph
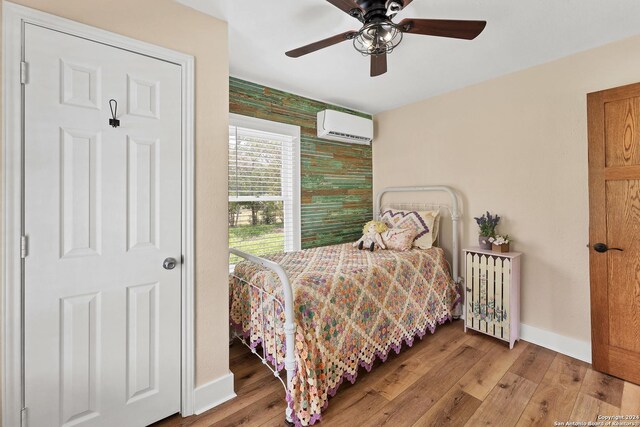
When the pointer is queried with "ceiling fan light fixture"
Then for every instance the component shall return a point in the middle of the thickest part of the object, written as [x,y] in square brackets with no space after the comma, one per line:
[377,38]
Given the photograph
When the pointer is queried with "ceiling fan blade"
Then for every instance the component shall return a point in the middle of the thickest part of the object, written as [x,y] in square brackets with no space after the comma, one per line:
[296,53]
[406,3]
[378,64]
[467,30]
[345,5]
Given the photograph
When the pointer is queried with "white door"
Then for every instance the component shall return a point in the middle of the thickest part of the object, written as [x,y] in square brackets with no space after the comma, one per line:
[102,212]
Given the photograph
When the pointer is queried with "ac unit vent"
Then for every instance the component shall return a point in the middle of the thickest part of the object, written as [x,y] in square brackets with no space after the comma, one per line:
[346,135]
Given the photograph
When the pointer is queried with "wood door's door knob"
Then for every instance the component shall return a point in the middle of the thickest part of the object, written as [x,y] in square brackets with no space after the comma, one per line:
[602,247]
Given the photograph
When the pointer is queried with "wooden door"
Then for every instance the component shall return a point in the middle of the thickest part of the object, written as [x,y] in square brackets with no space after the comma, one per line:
[102,212]
[614,213]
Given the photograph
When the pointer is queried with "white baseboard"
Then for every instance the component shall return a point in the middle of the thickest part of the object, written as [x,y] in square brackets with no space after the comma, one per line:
[214,393]
[572,347]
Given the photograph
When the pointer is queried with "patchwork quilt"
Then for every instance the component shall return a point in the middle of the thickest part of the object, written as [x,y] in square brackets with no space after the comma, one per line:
[351,307]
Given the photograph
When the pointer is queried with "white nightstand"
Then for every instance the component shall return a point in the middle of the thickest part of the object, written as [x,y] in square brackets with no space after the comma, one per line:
[492,296]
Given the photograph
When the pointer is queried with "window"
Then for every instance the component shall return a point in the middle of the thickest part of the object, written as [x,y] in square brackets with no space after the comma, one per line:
[264,186]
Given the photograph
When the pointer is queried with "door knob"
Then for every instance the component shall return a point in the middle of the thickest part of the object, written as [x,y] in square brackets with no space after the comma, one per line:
[601,247]
[169,263]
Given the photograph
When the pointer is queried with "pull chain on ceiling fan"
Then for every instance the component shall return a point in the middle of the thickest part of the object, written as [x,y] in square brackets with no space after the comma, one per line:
[379,35]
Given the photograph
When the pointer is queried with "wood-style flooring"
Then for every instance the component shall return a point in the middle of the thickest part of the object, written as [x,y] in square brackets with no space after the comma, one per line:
[448,379]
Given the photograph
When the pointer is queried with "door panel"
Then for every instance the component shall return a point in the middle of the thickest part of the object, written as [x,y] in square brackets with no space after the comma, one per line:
[102,211]
[622,135]
[79,353]
[80,192]
[143,188]
[81,84]
[142,340]
[623,231]
[614,202]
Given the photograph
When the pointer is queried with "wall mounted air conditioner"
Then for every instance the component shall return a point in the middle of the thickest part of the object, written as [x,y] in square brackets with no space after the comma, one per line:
[344,127]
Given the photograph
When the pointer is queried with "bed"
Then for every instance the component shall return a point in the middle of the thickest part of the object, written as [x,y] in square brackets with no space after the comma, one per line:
[321,313]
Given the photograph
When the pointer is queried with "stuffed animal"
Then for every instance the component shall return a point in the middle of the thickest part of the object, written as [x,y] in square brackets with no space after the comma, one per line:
[371,236]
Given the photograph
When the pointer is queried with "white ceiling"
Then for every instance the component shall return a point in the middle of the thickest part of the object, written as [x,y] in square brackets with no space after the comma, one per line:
[519,34]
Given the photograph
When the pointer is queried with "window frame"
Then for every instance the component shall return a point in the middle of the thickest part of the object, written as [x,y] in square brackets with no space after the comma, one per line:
[292,131]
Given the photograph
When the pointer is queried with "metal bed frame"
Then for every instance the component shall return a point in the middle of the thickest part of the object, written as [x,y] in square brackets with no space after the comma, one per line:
[288,307]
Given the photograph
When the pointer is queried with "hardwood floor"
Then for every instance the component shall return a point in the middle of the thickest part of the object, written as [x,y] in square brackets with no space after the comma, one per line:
[447,379]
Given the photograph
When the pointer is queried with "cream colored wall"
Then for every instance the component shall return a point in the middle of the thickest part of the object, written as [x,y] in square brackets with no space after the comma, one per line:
[168,24]
[516,145]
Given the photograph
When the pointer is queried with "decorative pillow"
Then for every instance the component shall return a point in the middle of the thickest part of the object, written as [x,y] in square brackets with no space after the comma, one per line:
[399,239]
[421,221]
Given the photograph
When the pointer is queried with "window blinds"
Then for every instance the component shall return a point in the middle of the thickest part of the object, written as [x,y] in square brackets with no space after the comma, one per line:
[261,186]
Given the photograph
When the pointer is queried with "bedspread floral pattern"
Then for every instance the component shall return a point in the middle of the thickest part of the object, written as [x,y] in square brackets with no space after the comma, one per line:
[351,306]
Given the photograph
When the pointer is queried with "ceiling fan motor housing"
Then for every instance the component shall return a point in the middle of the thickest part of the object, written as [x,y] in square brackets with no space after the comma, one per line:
[379,9]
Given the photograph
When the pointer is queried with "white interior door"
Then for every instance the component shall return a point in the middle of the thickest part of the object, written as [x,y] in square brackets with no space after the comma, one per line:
[102,212]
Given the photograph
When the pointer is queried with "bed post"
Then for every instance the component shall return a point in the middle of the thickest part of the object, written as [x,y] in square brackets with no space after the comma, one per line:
[290,341]
[289,332]
[455,218]
[289,322]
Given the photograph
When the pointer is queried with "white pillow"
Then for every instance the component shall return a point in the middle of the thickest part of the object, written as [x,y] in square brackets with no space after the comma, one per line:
[399,239]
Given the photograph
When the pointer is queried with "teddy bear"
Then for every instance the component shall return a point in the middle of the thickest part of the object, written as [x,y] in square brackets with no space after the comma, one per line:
[372,235]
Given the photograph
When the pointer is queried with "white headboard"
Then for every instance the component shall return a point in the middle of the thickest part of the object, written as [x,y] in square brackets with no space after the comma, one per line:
[449,211]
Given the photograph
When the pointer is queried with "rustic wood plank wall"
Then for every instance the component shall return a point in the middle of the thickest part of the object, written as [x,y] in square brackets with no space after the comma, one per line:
[336,178]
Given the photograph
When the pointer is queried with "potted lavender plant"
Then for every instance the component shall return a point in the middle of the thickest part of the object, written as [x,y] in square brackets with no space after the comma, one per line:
[487,224]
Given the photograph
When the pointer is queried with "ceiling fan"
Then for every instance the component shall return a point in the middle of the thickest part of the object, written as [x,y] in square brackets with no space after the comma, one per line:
[380,35]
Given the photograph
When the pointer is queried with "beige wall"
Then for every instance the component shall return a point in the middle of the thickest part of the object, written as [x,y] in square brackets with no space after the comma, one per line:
[516,145]
[168,24]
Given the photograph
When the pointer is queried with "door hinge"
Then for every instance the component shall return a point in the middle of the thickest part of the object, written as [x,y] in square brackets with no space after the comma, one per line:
[23,417]
[24,73]
[24,247]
